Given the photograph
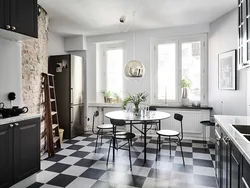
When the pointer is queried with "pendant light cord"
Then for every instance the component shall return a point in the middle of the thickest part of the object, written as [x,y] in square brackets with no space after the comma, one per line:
[134,34]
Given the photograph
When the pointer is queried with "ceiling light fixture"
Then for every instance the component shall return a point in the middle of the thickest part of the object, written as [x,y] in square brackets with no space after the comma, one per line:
[134,69]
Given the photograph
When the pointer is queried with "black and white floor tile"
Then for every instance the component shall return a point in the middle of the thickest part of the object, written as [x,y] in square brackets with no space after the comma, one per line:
[77,165]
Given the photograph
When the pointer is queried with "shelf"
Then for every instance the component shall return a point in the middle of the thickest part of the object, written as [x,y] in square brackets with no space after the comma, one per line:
[53,113]
[54,126]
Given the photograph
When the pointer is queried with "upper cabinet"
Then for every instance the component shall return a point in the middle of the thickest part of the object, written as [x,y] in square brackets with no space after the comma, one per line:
[243,33]
[18,19]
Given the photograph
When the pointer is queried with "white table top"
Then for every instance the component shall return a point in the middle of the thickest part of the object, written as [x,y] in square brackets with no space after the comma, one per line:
[128,116]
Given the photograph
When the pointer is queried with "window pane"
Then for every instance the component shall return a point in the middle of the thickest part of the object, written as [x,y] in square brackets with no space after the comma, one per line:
[115,70]
[166,71]
[191,67]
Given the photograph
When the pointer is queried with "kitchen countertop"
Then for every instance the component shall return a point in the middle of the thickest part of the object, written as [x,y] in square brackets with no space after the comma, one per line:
[237,138]
[19,118]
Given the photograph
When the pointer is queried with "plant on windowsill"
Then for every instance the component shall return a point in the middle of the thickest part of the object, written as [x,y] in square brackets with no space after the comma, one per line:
[116,97]
[185,85]
[107,96]
[136,100]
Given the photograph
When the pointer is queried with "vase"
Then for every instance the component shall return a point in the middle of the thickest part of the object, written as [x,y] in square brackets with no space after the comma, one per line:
[136,110]
[184,98]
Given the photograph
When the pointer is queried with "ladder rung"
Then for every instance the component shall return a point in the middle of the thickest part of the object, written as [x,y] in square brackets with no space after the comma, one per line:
[53,113]
[55,139]
[51,87]
[52,100]
[50,74]
[54,126]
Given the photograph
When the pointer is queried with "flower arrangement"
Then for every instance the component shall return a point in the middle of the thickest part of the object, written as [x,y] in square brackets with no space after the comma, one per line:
[136,100]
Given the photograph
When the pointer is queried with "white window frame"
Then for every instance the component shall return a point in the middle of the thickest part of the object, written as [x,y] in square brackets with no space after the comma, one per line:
[154,67]
[105,48]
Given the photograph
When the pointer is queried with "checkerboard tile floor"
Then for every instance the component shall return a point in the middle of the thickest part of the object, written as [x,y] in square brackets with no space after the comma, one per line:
[76,165]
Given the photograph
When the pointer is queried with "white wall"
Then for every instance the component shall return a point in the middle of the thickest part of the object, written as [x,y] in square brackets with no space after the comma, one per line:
[223,37]
[10,71]
[143,49]
[56,44]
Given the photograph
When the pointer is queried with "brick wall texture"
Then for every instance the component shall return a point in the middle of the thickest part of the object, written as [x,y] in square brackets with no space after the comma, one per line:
[34,62]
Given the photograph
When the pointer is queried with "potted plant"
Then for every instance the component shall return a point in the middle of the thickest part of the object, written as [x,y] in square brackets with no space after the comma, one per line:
[116,97]
[136,100]
[107,96]
[185,85]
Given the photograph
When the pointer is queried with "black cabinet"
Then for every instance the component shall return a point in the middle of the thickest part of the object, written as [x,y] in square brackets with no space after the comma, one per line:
[19,16]
[6,156]
[235,166]
[26,149]
[243,34]
[23,17]
[245,179]
[4,13]
[225,161]
[19,151]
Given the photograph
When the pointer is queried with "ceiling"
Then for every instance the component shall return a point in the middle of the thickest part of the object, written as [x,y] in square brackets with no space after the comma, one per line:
[96,17]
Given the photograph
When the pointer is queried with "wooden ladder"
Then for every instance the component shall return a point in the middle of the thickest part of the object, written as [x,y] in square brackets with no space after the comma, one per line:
[51,115]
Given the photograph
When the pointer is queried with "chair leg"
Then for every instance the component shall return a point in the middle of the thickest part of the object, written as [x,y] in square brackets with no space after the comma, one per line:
[141,130]
[181,151]
[170,145]
[101,137]
[97,135]
[129,155]
[109,150]
[157,149]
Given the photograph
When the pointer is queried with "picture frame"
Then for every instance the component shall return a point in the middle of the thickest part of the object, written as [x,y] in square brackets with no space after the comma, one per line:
[227,70]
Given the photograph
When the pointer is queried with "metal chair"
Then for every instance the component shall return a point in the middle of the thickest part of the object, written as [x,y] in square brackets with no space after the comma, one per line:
[120,136]
[170,134]
[206,124]
[100,128]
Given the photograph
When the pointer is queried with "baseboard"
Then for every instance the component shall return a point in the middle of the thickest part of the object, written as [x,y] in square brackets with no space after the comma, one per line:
[26,182]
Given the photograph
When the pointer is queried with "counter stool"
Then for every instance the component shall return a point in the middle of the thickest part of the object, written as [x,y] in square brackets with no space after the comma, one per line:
[206,124]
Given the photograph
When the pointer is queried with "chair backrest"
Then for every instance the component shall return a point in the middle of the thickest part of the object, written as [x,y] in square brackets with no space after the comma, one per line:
[179,117]
[117,122]
[96,114]
[152,108]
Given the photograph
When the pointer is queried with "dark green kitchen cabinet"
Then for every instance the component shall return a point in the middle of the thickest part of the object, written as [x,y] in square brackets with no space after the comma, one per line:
[19,17]
[19,151]
[6,155]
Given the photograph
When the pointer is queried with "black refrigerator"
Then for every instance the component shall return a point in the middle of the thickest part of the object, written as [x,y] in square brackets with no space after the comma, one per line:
[68,72]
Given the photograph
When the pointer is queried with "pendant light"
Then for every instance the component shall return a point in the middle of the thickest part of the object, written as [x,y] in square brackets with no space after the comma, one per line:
[134,69]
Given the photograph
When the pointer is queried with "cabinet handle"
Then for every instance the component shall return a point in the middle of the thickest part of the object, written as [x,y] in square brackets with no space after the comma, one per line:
[16,124]
[226,140]
[13,28]
[11,125]
[7,26]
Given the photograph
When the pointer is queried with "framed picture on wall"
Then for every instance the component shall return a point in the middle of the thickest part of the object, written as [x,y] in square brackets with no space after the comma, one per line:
[228,70]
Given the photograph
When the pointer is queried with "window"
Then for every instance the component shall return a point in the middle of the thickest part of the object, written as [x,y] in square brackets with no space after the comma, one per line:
[176,59]
[114,63]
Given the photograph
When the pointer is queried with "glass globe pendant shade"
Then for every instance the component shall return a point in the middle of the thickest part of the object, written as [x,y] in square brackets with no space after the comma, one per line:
[134,70]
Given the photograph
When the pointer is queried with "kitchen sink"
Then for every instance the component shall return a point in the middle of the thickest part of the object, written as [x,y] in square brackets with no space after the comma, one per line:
[243,129]
[247,137]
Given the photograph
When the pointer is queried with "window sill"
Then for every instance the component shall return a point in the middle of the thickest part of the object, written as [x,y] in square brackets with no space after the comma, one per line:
[107,105]
[182,107]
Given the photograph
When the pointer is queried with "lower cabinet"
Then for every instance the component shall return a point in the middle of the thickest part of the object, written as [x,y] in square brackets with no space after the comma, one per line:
[232,169]
[6,156]
[19,151]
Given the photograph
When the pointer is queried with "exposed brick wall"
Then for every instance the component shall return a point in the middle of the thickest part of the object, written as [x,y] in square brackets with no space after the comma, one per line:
[34,62]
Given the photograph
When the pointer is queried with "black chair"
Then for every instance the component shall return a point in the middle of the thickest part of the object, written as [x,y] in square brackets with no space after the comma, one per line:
[120,136]
[100,128]
[171,134]
[206,124]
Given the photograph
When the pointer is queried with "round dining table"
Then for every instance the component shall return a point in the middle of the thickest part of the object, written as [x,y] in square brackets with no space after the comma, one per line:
[134,121]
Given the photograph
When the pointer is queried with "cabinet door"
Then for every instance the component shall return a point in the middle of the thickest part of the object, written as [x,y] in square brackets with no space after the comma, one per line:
[23,17]
[26,148]
[4,14]
[235,166]
[225,163]
[6,156]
